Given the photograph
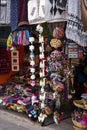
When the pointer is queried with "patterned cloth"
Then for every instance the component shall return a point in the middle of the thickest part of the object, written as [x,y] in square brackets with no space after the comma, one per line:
[36,11]
[14,15]
[22,12]
[55,10]
[74,28]
[5,11]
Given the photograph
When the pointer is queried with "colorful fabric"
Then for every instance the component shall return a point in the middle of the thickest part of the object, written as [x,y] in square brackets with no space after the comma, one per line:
[14,15]
[22,12]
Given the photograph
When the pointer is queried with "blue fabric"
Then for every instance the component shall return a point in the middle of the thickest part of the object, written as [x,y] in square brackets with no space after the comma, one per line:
[14,15]
[27,35]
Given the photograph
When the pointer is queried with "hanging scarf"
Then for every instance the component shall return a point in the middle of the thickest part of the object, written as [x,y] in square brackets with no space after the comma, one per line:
[74,28]
[14,15]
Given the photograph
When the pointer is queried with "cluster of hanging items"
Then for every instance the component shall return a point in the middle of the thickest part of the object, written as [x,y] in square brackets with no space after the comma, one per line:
[18,38]
[39,28]
[37,11]
[32,62]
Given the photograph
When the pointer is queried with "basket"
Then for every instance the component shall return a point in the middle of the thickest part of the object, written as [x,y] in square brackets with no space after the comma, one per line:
[78,124]
[77,128]
[79,103]
[85,104]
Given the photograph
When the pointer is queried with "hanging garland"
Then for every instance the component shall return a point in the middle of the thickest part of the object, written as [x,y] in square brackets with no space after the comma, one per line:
[32,62]
[42,95]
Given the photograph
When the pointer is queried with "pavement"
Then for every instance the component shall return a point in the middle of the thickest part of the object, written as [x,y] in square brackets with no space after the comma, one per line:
[21,120]
[6,125]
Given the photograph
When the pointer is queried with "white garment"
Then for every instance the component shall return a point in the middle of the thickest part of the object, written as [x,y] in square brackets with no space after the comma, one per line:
[36,11]
[5,12]
[50,17]
[74,28]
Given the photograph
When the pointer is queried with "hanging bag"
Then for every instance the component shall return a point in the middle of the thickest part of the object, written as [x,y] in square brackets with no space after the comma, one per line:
[84,13]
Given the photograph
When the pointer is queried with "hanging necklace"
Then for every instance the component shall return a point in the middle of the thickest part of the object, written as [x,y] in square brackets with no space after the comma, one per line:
[32,62]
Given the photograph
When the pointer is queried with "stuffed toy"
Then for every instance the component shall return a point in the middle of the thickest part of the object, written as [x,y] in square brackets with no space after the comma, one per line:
[32,113]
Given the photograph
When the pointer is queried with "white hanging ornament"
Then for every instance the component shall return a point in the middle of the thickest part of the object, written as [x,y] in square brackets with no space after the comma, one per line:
[32,55]
[32,70]
[39,28]
[31,39]
[41,65]
[41,82]
[44,82]
[41,39]
[42,89]
[41,49]
[32,62]
[41,56]
[31,47]
[41,74]
[32,77]
[42,105]
[42,96]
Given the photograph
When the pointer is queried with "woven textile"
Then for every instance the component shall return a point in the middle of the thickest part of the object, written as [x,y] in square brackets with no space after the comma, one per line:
[55,10]
[14,15]
[5,11]
[36,11]
[74,28]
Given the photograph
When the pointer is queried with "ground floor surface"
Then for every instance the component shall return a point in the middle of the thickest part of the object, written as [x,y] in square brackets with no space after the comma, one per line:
[16,121]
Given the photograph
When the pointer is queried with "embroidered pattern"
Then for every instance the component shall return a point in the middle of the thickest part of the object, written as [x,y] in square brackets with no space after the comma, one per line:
[57,5]
[74,28]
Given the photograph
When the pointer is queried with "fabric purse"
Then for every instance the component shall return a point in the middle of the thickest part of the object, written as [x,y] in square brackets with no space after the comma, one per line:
[84,13]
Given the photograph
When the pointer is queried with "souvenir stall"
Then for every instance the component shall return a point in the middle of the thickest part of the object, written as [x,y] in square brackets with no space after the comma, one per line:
[48,69]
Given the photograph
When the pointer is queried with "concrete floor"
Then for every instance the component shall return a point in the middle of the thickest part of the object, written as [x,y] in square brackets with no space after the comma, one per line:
[19,120]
